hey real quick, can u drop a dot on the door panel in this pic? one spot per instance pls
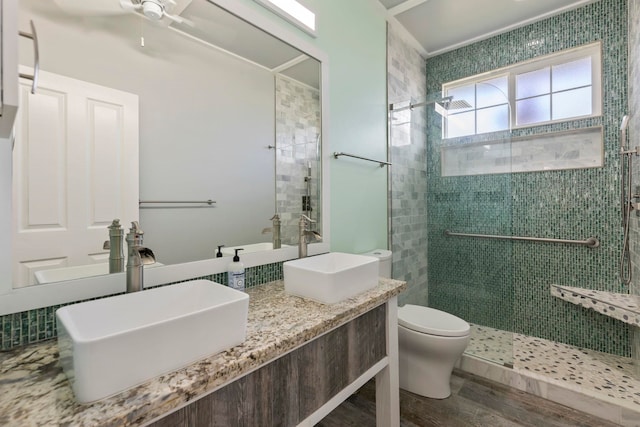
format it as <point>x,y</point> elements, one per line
<point>75,170</point>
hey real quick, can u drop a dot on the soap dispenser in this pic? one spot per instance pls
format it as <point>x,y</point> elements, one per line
<point>236,273</point>
<point>219,254</point>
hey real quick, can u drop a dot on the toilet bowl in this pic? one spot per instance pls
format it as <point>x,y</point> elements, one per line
<point>430,342</point>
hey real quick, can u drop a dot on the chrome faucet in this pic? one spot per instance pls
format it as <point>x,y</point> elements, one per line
<point>275,230</point>
<point>114,244</point>
<point>305,234</point>
<point>138,256</point>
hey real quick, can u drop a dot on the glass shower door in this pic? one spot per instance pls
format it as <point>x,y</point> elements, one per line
<point>469,197</point>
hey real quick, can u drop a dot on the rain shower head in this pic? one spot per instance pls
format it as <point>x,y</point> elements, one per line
<point>449,104</point>
<point>443,104</point>
<point>446,104</point>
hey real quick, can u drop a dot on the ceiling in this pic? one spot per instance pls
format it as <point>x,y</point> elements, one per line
<point>215,27</point>
<point>439,26</point>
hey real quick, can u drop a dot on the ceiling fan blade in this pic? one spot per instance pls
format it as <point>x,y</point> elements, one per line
<point>179,19</point>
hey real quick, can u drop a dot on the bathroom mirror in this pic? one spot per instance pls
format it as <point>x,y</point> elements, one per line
<point>209,130</point>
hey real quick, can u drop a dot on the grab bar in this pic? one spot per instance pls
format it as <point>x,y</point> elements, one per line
<point>382,163</point>
<point>209,203</point>
<point>591,242</point>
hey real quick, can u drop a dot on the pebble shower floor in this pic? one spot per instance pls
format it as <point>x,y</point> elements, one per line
<point>597,374</point>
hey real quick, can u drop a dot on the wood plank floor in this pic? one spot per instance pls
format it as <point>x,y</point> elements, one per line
<point>475,401</point>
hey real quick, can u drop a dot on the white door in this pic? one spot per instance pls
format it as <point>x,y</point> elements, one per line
<point>75,169</point>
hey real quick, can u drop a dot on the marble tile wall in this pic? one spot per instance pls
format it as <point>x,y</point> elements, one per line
<point>554,151</point>
<point>408,154</point>
<point>504,284</point>
<point>297,151</point>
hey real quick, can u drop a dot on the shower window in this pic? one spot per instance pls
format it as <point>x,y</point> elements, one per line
<point>548,89</point>
<point>555,92</point>
<point>488,109</point>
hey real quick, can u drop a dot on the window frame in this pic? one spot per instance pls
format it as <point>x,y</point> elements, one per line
<point>591,50</point>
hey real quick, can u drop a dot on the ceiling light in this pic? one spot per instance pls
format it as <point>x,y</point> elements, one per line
<point>294,12</point>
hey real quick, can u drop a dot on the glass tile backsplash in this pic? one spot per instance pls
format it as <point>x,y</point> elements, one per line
<point>506,284</point>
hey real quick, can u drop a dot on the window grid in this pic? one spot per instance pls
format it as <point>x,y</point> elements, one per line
<point>477,109</point>
<point>592,51</point>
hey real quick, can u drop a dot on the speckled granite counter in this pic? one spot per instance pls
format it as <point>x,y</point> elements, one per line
<point>623,307</point>
<point>35,391</point>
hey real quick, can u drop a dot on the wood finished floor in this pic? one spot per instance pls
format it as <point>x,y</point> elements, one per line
<point>474,401</point>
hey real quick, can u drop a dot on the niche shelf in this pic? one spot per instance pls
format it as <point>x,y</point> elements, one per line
<point>623,307</point>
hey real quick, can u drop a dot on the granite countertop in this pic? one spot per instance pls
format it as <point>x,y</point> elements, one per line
<point>35,391</point>
<point>624,307</point>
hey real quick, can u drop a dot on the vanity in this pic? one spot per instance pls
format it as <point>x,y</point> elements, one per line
<point>300,360</point>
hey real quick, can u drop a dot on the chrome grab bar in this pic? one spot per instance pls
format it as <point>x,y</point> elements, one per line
<point>380,162</point>
<point>591,242</point>
<point>36,57</point>
<point>177,204</point>
<point>208,202</point>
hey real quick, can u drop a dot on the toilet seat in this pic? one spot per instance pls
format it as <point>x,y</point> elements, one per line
<point>430,321</point>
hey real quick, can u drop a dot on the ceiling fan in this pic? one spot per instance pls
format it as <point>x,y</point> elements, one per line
<point>155,10</point>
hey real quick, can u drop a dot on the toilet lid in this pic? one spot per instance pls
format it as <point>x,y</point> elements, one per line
<point>431,321</point>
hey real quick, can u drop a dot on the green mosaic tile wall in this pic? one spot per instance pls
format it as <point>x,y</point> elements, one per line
<point>31,326</point>
<point>506,284</point>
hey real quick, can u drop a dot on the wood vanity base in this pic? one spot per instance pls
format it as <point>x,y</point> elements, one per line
<point>288,390</point>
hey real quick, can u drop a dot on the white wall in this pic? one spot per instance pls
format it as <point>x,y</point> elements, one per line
<point>206,119</point>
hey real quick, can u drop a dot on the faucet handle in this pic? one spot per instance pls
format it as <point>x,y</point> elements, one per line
<point>303,217</point>
<point>106,244</point>
<point>135,228</point>
<point>266,230</point>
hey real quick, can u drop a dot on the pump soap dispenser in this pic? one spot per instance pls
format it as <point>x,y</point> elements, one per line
<point>236,273</point>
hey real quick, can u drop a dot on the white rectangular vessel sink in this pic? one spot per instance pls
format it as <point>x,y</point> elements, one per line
<point>112,344</point>
<point>331,277</point>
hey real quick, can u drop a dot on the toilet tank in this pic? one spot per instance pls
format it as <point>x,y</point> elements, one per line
<point>384,256</point>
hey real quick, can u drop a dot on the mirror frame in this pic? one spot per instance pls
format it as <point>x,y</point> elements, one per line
<point>34,297</point>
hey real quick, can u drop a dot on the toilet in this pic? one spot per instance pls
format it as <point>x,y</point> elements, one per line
<point>384,258</point>
<point>430,342</point>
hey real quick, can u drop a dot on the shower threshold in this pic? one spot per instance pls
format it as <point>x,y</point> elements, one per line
<point>597,383</point>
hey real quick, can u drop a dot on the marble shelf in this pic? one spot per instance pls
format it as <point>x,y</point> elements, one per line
<point>623,307</point>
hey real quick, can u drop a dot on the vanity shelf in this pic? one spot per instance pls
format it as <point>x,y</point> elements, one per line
<point>623,307</point>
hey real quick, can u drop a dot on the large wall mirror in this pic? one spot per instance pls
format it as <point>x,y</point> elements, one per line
<point>212,108</point>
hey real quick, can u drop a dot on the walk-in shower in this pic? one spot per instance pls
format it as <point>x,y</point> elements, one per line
<point>467,277</point>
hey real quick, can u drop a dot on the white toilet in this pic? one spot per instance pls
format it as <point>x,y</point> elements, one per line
<point>430,342</point>
<point>384,266</point>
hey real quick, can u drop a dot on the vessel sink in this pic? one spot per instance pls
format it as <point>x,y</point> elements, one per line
<point>253,247</point>
<point>331,277</point>
<point>112,344</point>
<point>77,272</point>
